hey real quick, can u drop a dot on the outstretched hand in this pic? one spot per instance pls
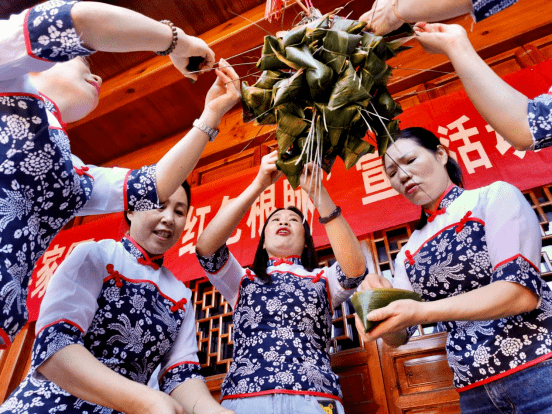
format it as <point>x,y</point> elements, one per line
<point>440,38</point>
<point>190,46</point>
<point>381,18</point>
<point>268,172</point>
<point>225,92</point>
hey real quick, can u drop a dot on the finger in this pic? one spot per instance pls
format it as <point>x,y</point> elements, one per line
<point>209,61</point>
<point>377,315</point>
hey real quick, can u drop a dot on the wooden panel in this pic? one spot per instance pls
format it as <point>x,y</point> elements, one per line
<point>15,361</point>
<point>422,373</point>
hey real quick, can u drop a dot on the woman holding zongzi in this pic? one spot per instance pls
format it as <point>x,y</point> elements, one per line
<point>474,260</point>
<point>283,305</point>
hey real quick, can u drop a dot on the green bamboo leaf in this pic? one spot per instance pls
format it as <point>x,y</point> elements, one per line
<point>347,90</point>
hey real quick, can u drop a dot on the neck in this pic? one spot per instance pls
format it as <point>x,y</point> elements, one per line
<point>434,204</point>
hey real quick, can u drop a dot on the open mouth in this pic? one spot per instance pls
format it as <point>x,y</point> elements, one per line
<point>283,232</point>
<point>164,234</point>
<point>410,188</point>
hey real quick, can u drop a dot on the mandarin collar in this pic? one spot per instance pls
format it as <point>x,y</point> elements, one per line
<point>140,254</point>
<point>53,108</point>
<point>290,260</point>
<point>446,199</point>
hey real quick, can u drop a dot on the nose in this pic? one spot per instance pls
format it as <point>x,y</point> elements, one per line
<point>168,216</point>
<point>403,175</point>
<point>97,79</point>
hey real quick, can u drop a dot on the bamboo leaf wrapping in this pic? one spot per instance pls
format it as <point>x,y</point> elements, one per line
<point>322,85</point>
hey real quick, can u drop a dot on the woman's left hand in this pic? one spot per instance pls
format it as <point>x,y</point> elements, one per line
<point>395,317</point>
<point>311,177</point>
<point>225,92</point>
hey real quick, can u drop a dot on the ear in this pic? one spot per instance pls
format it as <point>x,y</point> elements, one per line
<point>130,215</point>
<point>442,155</point>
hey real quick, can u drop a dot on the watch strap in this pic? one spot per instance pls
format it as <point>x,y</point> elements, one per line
<point>202,126</point>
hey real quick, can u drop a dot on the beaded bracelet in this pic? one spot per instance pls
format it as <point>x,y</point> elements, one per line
<point>174,38</point>
<point>331,216</point>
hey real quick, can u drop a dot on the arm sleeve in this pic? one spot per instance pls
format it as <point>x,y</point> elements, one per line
<point>341,287</point>
<point>486,8</point>
<point>119,189</point>
<point>70,302</point>
<point>513,237</point>
<point>224,272</point>
<point>181,362</point>
<point>539,116</point>
<point>34,40</point>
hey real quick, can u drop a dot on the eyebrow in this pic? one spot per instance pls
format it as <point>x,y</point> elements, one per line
<point>401,157</point>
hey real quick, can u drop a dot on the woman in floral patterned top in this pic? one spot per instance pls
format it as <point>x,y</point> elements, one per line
<point>42,185</point>
<point>474,260</point>
<point>525,123</point>
<point>112,313</point>
<point>283,306</point>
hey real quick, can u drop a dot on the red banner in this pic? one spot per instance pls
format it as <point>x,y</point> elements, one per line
<point>364,193</point>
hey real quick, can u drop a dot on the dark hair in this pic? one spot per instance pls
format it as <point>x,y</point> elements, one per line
<point>309,258</point>
<point>427,139</point>
<point>186,188</point>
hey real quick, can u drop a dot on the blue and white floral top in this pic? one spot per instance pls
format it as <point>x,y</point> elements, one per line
<point>42,185</point>
<point>124,307</point>
<point>282,329</point>
<point>475,238</point>
<point>486,8</point>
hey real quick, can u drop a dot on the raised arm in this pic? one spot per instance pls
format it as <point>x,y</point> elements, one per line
<point>181,159</point>
<point>221,227</point>
<point>388,15</point>
<point>115,29</point>
<point>502,106</point>
<point>345,244</point>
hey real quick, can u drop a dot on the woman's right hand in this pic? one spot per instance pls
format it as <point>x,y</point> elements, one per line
<point>268,172</point>
<point>190,46</point>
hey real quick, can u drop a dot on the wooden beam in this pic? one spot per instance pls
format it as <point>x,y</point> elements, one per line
<point>236,36</point>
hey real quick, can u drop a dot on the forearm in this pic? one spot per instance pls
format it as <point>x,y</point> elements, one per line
<point>115,29</point>
<point>195,397</point>
<point>497,300</point>
<point>430,10</point>
<point>177,164</point>
<point>502,106</point>
<point>345,244</point>
<point>221,227</point>
<point>75,369</point>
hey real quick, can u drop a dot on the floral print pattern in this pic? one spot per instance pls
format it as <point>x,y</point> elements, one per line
<point>540,120</point>
<point>132,330</point>
<point>39,188</point>
<point>456,260</point>
<point>486,8</point>
<point>282,329</point>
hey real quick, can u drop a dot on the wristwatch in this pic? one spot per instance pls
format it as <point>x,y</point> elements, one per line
<point>212,132</point>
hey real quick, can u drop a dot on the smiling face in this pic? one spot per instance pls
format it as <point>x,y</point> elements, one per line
<point>284,234</point>
<point>156,231</point>
<point>417,173</point>
<point>72,86</point>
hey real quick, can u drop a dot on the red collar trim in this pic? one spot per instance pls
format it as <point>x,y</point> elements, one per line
<point>434,213</point>
<point>146,259</point>
<point>56,112</point>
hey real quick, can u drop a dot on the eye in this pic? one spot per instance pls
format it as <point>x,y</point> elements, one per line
<point>392,174</point>
<point>411,160</point>
<point>179,212</point>
<point>293,219</point>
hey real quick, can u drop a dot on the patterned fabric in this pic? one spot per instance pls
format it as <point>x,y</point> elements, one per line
<point>486,8</point>
<point>177,375</point>
<point>133,327</point>
<point>51,33</point>
<point>282,329</point>
<point>454,256</point>
<point>540,120</point>
<point>142,257</point>
<point>40,190</point>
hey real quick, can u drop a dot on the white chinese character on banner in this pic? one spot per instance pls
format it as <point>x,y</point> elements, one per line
<point>298,198</point>
<point>465,134</point>
<point>261,209</point>
<point>236,237</point>
<point>376,182</point>
<point>45,273</point>
<point>502,145</point>
<point>189,234</point>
